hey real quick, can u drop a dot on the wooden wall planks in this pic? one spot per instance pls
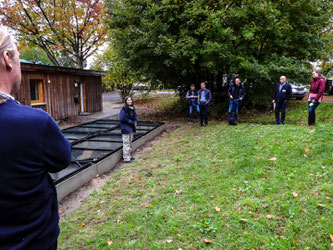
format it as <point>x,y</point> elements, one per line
<point>59,93</point>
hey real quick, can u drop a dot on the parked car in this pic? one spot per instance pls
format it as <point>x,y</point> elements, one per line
<point>140,86</point>
<point>298,91</point>
<point>329,86</point>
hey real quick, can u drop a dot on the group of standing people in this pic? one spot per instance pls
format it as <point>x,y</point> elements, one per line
<point>202,99</point>
<point>236,93</point>
<point>32,145</point>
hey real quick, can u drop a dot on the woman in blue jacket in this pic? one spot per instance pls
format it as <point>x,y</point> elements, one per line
<point>128,122</point>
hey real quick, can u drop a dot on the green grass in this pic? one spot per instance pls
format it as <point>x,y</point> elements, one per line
<point>218,166</point>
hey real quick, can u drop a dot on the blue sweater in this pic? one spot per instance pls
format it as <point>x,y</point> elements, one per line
<point>31,145</point>
<point>127,118</point>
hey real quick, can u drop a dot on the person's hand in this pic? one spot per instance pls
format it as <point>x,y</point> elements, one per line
<point>273,101</point>
<point>313,101</point>
<point>241,99</point>
<point>231,97</point>
<point>135,124</point>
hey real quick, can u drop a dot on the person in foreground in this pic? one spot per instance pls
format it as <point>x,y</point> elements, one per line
<point>31,145</point>
<point>205,99</point>
<point>281,97</point>
<point>128,122</point>
<point>236,94</point>
<point>192,98</point>
<point>317,88</point>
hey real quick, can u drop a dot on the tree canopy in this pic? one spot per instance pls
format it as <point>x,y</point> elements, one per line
<point>73,29</point>
<point>181,42</point>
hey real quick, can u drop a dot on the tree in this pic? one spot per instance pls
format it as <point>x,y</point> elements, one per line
<point>70,28</point>
<point>182,42</point>
<point>118,75</point>
<point>35,55</point>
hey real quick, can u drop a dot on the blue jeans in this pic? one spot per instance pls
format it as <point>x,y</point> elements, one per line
<point>312,114</point>
<point>196,106</point>
<point>234,104</point>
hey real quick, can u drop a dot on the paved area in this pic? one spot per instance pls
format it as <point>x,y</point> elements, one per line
<point>114,96</point>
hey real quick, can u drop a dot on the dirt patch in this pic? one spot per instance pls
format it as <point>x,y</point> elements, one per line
<point>71,202</point>
<point>328,99</point>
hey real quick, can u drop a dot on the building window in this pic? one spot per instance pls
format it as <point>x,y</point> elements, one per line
<point>36,91</point>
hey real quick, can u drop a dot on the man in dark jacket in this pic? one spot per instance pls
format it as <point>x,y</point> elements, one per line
<point>281,97</point>
<point>192,98</point>
<point>31,145</point>
<point>205,100</point>
<point>236,94</point>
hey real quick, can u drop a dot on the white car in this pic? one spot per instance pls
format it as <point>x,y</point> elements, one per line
<point>298,91</point>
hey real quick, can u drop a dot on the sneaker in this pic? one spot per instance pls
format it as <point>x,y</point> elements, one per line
<point>128,161</point>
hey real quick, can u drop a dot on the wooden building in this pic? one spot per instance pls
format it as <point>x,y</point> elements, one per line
<point>62,92</point>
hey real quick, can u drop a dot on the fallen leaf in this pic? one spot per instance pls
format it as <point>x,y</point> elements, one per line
<point>269,216</point>
<point>207,214</point>
<point>198,159</point>
<point>172,208</point>
<point>217,170</point>
<point>83,224</point>
<point>264,176</point>
<point>60,211</point>
<point>217,209</point>
<point>278,218</point>
<point>206,241</point>
<point>102,202</point>
<point>306,150</point>
<point>295,194</point>
<point>179,191</point>
<point>264,205</point>
<point>331,236</point>
<point>110,242</point>
<point>258,218</point>
<point>273,159</point>
<point>169,241</point>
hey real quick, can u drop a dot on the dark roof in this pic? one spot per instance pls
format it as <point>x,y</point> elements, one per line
<point>30,66</point>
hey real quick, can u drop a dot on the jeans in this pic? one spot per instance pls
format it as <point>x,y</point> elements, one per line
<point>203,114</point>
<point>127,146</point>
<point>280,107</point>
<point>233,104</point>
<point>312,114</point>
<point>196,106</point>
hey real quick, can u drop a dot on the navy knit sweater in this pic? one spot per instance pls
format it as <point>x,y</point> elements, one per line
<point>31,145</point>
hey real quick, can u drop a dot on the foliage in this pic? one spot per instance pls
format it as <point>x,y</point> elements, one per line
<point>67,28</point>
<point>247,187</point>
<point>34,54</point>
<point>327,57</point>
<point>118,75</point>
<point>182,42</point>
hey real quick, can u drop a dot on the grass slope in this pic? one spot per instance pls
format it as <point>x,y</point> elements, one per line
<point>218,187</point>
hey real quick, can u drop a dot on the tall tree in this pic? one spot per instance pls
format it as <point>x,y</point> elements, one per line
<point>184,42</point>
<point>70,28</point>
<point>118,74</point>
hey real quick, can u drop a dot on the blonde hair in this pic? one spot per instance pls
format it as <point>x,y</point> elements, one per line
<point>6,44</point>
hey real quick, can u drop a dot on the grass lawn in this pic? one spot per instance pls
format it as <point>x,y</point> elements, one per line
<point>253,186</point>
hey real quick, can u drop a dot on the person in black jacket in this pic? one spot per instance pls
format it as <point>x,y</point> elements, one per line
<point>192,98</point>
<point>128,122</point>
<point>31,146</point>
<point>281,97</point>
<point>236,93</point>
<point>205,100</point>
